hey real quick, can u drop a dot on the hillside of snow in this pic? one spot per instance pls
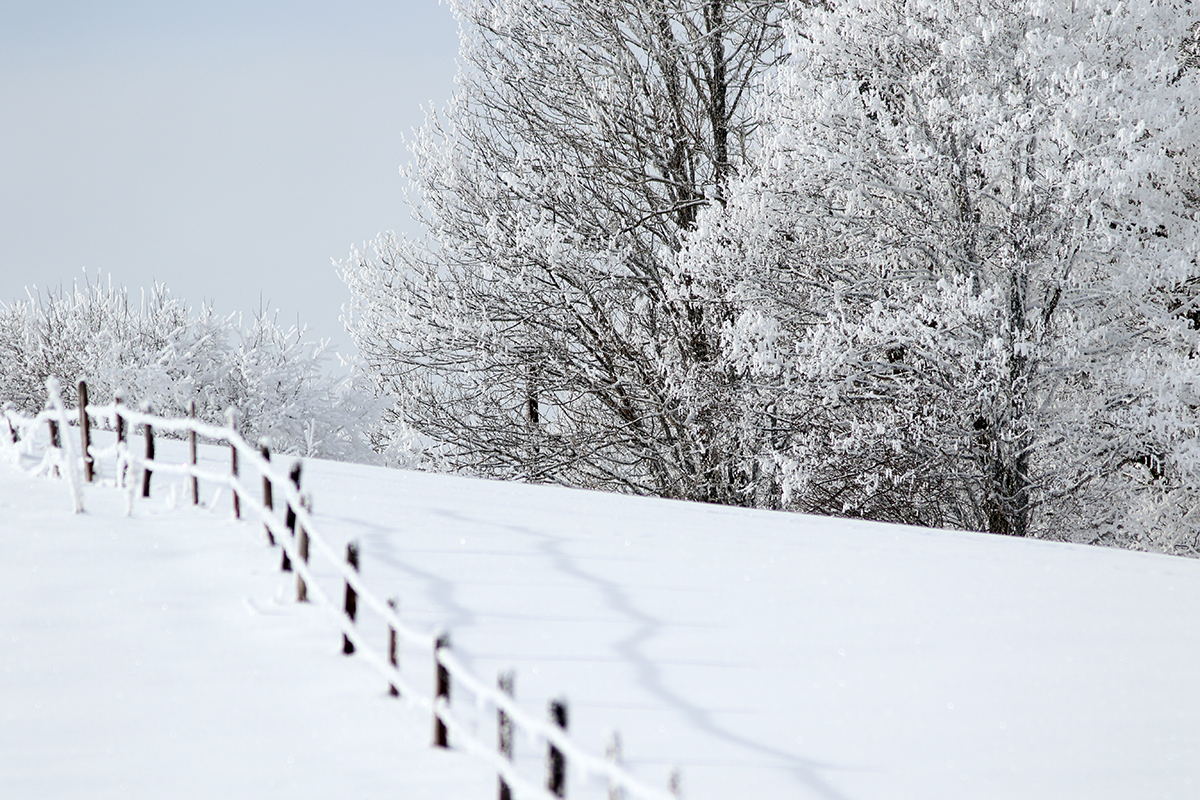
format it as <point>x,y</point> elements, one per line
<point>766,655</point>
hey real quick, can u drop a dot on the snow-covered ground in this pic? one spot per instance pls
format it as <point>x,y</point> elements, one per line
<point>766,655</point>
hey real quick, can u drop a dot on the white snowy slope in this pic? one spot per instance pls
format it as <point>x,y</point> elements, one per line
<point>766,655</point>
<point>153,657</point>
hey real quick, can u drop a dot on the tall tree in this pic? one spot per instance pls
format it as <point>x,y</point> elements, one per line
<point>536,332</point>
<point>963,281</point>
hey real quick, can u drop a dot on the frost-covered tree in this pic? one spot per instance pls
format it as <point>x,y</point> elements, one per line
<point>533,334</point>
<point>161,353</point>
<point>278,383</point>
<point>962,283</point>
<point>151,346</point>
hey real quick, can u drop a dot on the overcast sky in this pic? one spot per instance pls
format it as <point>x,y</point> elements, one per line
<point>229,149</point>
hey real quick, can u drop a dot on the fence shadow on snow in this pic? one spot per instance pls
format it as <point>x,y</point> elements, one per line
<point>300,540</point>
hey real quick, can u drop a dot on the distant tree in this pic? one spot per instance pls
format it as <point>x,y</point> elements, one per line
<point>962,283</point>
<point>535,333</point>
<point>160,352</point>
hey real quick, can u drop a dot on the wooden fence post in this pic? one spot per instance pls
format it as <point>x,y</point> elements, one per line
<point>231,421</point>
<point>118,399</point>
<point>556,762</point>
<point>294,474</point>
<point>54,440</point>
<point>149,431</point>
<point>441,689</point>
<point>301,586</point>
<point>268,495</point>
<point>9,407</point>
<point>393,654</point>
<point>350,606</point>
<point>192,452</point>
<point>122,465</point>
<point>612,753</point>
<point>505,681</point>
<point>85,435</point>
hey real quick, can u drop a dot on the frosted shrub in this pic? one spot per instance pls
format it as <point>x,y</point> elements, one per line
<point>164,354</point>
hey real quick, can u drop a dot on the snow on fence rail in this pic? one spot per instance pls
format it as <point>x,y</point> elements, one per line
<point>300,539</point>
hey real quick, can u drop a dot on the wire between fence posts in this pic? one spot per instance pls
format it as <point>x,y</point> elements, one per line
<point>350,605</point>
<point>505,682</point>
<point>445,662</point>
<point>323,601</point>
<point>231,421</point>
<point>582,760</point>
<point>441,690</point>
<point>467,743</point>
<point>192,453</point>
<point>85,435</point>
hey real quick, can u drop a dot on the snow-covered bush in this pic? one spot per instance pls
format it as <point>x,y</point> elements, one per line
<point>163,354</point>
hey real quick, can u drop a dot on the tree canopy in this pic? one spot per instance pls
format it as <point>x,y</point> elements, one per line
<point>929,261</point>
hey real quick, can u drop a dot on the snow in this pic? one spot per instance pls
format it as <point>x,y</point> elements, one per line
<point>765,655</point>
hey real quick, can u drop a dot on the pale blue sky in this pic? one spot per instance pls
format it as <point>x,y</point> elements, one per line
<point>227,149</point>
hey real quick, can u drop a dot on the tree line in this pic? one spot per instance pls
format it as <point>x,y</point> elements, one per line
<point>159,352</point>
<point>931,262</point>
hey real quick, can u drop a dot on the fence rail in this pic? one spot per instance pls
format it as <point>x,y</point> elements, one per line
<point>301,540</point>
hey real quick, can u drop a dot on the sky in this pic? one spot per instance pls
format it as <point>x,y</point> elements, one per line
<point>229,149</point>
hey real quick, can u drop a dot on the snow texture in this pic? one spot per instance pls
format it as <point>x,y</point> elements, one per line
<point>764,654</point>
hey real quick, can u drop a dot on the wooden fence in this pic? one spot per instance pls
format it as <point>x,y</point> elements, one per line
<point>299,539</point>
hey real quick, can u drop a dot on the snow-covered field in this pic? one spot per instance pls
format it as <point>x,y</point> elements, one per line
<point>766,655</point>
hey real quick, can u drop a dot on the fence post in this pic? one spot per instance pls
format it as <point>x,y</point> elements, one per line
<point>350,606</point>
<point>294,474</point>
<point>393,654</point>
<point>55,442</point>
<point>85,435</point>
<point>268,495</point>
<point>118,399</point>
<point>301,586</point>
<point>441,689</point>
<point>556,762</point>
<point>122,460</point>
<point>9,407</point>
<point>192,452</point>
<point>612,753</point>
<point>231,421</point>
<point>149,431</point>
<point>504,728</point>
